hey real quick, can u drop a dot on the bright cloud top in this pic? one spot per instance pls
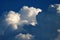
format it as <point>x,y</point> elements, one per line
<point>27,15</point>
<point>13,19</point>
<point>24,36</point>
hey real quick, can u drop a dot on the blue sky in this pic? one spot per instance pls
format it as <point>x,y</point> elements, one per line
<point>29,19</point>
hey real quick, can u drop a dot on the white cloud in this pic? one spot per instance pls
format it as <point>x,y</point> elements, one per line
<point>29,14</point>
<point>55,7</point>
<point>58,8</point>
<point>24,36</point>
<point>13,19</point>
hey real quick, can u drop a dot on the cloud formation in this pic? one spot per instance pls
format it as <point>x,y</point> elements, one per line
<point>13,22</point>
<point>13,19</point>
<point>24,36</point>
<point>27,15</point>
<point>58,37</point>
<point>55,7</point>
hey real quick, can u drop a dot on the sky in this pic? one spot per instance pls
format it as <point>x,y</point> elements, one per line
<point>29,19</point>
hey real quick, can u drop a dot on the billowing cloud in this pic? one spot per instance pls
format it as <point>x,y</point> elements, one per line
<point>24,36</point>
<point>13,22</point>
<point>48,21</point>
<point>13,19</point>
<point>27,15</point>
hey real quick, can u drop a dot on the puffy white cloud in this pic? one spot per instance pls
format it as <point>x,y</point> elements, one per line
<point>29,14</point>
<point>13,19</point>
<point>24,36</point>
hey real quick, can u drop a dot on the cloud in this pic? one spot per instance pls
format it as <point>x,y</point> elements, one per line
<point>24,36</point>
<point>55,7</point>
<point>27,15</point>
<point>13,19</point>
<point>58,30</point>
<point>13,22</point>
<point>58,37</point>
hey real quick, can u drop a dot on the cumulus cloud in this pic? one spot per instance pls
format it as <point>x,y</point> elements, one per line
<point>13,22</point>
<point>13,19</point>
<point>24,36</point>
<point>27,15</point>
